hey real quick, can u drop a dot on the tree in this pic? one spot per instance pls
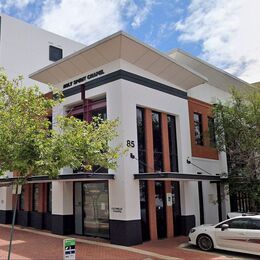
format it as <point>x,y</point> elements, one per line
<point>28,145</point>
<point>237,127</point>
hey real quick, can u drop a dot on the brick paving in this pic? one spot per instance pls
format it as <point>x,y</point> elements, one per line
<point>32,244</point>
<point>28,245</point>
<point>178,247</point>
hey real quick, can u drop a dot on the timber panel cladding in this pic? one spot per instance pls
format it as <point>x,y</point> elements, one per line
<point>205,110</point>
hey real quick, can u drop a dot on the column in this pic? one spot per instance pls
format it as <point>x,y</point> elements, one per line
<point>124,194</point>
<point>62,208</point>
<point>6,205</point>
<point>167,168</point>
<point>150,168</point>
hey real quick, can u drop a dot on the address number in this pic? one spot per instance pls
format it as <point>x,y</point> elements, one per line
<point>130,143</point>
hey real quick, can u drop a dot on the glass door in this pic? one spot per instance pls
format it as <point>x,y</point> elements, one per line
<point>95,209</point>
<point>160,209</point>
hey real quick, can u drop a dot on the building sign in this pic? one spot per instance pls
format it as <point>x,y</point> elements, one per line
<point>82,79</point>
<point>169,199</point>
<point>69,248</point>
<point>117,210</point>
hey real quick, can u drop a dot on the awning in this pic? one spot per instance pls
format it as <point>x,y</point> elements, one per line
<point>64,177</point>
<point>175,176</point>
<point>119,46</point>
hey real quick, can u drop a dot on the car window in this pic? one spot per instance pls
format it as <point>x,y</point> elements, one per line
<point>254,224</point>
<point>238,223</point>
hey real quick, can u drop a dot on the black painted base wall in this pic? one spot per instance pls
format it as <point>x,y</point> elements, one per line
<point>6,216</point>
<point>186,223</point>
<point>22,218</point>
<point>47,220</point>
<point>36,220</point>
<point>126,233</point>
<point>62,224</point>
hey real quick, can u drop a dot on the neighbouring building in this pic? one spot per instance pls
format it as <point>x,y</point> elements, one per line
<point>24,48</point>
<point>170,180</point>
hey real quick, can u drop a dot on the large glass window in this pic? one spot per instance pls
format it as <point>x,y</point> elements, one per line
<point>35,198</point>
<point>173,143</point>
<point>212,136</point>
<point>141,139</point>
<point>96,210</point>
<point>49,197</point>
<point>198,128</point>
<point>157,142</point>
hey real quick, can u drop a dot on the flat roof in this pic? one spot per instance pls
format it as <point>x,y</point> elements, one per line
<point>217,77</point>
<point>120,46</point>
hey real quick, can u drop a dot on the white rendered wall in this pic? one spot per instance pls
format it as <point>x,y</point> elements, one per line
<point>122,98</point>
<point>6,198</point>
<point>24,48</point>
<point>62,197</point>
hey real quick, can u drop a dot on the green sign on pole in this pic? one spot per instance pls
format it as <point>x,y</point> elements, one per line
<point>69,248</point>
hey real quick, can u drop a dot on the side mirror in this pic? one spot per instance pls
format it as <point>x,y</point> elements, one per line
<point>224,227</point>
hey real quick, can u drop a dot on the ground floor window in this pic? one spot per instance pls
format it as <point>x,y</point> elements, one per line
<point>92,209</point>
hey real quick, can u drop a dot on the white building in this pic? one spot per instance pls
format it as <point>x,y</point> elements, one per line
<point>170,179</point>
<point>24,48</point>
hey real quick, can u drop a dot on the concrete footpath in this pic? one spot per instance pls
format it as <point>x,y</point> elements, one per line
<point>33,244</point>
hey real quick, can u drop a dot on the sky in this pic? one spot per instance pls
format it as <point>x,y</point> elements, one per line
<point>225,33</point>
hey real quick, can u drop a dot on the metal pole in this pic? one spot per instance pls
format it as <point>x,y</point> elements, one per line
<point>12,228</point>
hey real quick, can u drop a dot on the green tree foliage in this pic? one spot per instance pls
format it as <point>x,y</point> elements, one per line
<point>237,127</point>
<point>28,146</point>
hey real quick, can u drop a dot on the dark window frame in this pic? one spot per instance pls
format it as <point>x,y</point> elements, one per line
<point>212,132</point>
<point>35,204</point>
<point>198,126</point>
<point>172,134</point>
<point>22,200</point>
<point>157,142</point>
<point>141,139</point>
<point>55,53</point>
<point>49,197</point>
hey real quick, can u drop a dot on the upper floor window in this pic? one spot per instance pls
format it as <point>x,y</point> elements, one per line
<point>157,142</point>
<point>172,143</point>
<point>198,128</point>
<point>55,53</point>
<point>212,135</point>
<point>141,138</point>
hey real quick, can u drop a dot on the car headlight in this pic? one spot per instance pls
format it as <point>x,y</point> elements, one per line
<point>192,230</point>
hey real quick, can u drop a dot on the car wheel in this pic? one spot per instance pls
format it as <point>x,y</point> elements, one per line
<point>205,243</point>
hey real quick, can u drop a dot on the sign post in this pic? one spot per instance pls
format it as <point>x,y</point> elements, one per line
<point>69,248</point>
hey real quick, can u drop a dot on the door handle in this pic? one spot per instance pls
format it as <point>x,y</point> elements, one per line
<point>242,233</point>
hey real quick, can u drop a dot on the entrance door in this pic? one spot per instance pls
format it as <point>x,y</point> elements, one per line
<point>176,208</point>
<point>95,209</point>
<point>144,211</point>
<point>160,209</point>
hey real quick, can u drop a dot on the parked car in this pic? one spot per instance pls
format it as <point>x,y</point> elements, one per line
<point>239,234</point>
<point>238,214</point>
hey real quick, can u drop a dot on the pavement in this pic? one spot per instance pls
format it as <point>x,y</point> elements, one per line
<point>33,244</point>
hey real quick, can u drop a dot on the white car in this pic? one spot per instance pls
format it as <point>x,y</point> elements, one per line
<point>239,234</point>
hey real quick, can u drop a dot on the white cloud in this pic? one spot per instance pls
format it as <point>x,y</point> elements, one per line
<point>89,20</point>
<point>142,13</point>
<point>228,32</point>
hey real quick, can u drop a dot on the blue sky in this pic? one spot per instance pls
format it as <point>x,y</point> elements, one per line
<point>224,33</point>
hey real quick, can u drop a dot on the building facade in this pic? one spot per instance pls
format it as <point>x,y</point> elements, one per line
<point>170,179</point>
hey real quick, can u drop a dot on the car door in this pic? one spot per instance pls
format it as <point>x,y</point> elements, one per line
<point>233,237</point>
<point>253,236</point>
